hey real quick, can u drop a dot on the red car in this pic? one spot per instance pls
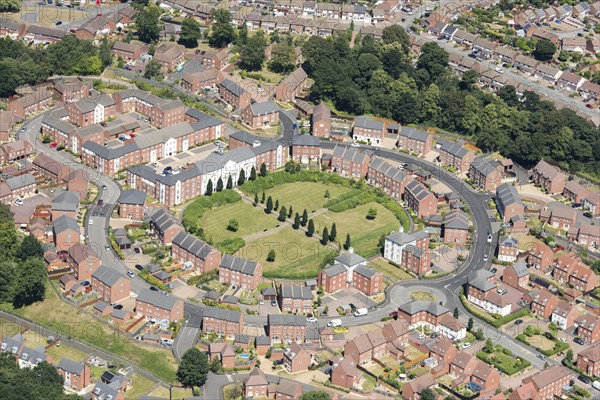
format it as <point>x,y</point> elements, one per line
<point>53,145</point>
<point>588,105</point>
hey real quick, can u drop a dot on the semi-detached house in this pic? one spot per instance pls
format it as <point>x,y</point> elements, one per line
<point>189,249</point>
<point>456,156</point>
<point>240,272</point>
<point>415,140</point>
<point>110,285</point>
<point>155,305</point>
<point>420,200</point>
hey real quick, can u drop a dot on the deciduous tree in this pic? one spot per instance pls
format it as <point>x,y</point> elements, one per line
<point>193,368</point>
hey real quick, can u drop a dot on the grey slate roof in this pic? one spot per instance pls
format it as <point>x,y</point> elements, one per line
<point>456,149</point>
<point>240,265</point>
<point>269,291</point>
<point>296,292</point>
<point>34,356</point>
<point>107,275</point>
<point>132,197</point>
<point>21,181</point>
<point>109,153</point>
<point>233,87</point>
<point>365,271</point>
<point>334,270</point>
<point>366,122</point>
<point>87,105</point>
<point>163,220</point>
<point>349,259</point>
<point>267,107</point>
<point>456,219</point>
<point>192,245</point>
<point>507,194</point>
<point>484,166</point>
<point>509,241</point>
<point>479,280</point>
<point>286,319</point>
<point>418,190</point>
<point>305,140</point>
<point>520,269</point>
<point>263,340</point>
<point>415,134</point>
<point>380,165</point>
<point>63,223</point>
<point>71,366</point>
<point>417,306</point>
<point>350,154</point>
<point>100,306</point>
<point>222,314</point>
<point>402,238</point>
<point>157,299</point>
<point>162,135</point>
<point>66,201</point>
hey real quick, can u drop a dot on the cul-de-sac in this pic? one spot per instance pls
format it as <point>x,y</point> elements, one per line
<point>300,200</point>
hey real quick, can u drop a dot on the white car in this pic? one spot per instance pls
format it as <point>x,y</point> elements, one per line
<point>18,202</point>
<point>311,319</point>
<point>421,336</point>
<point>130,274</point>
<point>485,257</point>
<point>499,70</point>
<point>562,339</point>
<point>355,145</point>
<point>466,345</point>
<point>90,222</point>
<point>489,238</point>
<point>334,322</point>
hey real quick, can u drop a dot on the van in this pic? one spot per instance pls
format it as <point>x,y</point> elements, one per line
<point>596,385</point>
<point>360,312</point>
<point>334,322</point>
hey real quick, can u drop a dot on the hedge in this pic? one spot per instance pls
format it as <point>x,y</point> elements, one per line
<point>495,322</point>
<point>508,371</point>
<point>231,245</point>
<point>196,209</point>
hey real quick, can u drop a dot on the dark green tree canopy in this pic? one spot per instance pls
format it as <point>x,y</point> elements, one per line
<point>190,33</point>
<point>222,32</point>
<point>193,369</point>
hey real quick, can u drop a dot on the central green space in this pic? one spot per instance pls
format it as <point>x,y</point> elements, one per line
<point>236,226</point>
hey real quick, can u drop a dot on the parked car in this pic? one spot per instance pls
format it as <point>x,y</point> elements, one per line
<point>466,345</point>
<point>53,145</point>
<point>18,202</point>
<point>579,341</point>
<point>311,318</point>
<point>274,303</point>
<point>100,202</point>
<point>421,336</point>
<point>518,322</point>
<point>86,283</point>
<point>130,274</point>
<point>489,238</point>
<point>361,312</point>
<point>334,322</point>
<point>139,267</point>
<point>117,306</point>
<point>584,379</point>
<point>154,288</point>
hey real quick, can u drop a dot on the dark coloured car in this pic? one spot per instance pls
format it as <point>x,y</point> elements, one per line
<point>584,379</point>
<point>100,202</point>
<point>154,288</point>
<point>139,267</point>
<point>518,322</point>
<point>579,341</point>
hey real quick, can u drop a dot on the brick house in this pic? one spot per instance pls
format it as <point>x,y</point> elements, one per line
<point>442,349</point>
<point>65,203</point>
<point>128,51</point>
<point>346,375</point>
<point>543,384</point>
<point>550,178</point>
<point>91,110</point>
<point>588,235</point>
<point>131,204</point>
<point>16,150</point>
<point>296,359</point>
<point>7,120</point>
<point>196,82</point>
<point>268,152</point>
<point>350,270</point>
<point>543,303</point>
<point>412,390</point>
<point>420,200</point>
<point>292,85</point>
<point>588,328</point>
<point>65,232</point>
<point>425,313</point>
<point>486,174</point>
<point>508,249</point>
<point>591,202</point>
<point>234,94</point>
<point>516,275</point>
<point>486,376</point>
<point>68,90</point>
<point>289,328</point>
<point>364,348</point>
<point>575,192</point>
<point>456,227</point>
<point>240,272</point>
<point>540,256</point>
<point>76,376</point>
<point>169,55</point>
<point>29,103</point>
<point>223,352</point>
<point>409,250</point>
<point>223,322</point>
<point>509,202</point>
<point>189,249</point>
<point>17,187</point>
<point>306,149</point>
<point>159,306</point>
<point>588,360</point>
<point>350,162</point>
<point>559,216</point>
<point>396,330</point>
<point>583,278</point>
<point>321,121</point>
<point>256,384</point>
<point>387,178</point>
<point>415,140</point>
<point>295,299</point>
<point>456,156</point>
<point>217,59</point>
<point>261,115</point>
<point>564,266</point>
<point>110,285</point>
<point>368,130</point>
<point>83,260</point>
<point>165,226</point>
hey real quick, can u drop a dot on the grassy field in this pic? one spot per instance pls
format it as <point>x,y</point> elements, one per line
<point>79,325</point>
<point>139,386</point>
<point>364,233</point>
<point>393,272</point>
<point>297,256</point>
<point>421,295</point>
<point>301,195</point>
<point>65,351</point>
<point>251,220</point>
<point>8,328</point>
<point>541,341</point>
<point>176,393</point>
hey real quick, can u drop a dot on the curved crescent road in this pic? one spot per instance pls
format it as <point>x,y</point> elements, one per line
<point>446,288</point>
